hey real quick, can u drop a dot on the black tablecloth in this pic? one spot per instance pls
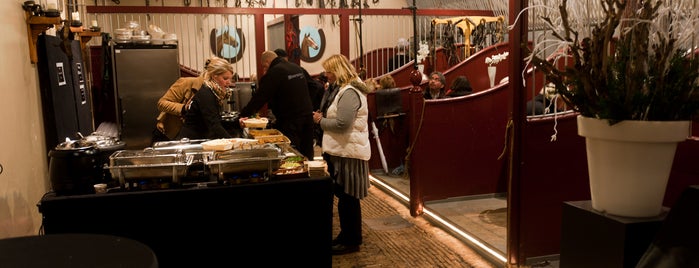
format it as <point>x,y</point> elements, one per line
<point>272,224</point>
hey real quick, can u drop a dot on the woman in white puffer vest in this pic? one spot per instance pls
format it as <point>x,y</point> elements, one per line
<point>346,149</point>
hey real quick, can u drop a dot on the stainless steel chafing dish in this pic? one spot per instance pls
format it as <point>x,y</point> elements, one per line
<point>264,159</point>
<point>183,144</point>
<point>189,147</point>
<point>127,165</point>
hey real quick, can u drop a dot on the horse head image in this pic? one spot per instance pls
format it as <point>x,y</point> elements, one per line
<point>307,44</point>
<point>227,39</point>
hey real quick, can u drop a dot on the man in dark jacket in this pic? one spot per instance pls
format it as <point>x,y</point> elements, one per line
<point>284,89</point>
<point>315,87</point>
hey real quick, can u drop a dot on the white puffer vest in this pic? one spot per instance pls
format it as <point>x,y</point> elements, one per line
<point>355,142</point>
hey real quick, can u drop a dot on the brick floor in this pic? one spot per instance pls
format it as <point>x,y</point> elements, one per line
<point>393,238</point>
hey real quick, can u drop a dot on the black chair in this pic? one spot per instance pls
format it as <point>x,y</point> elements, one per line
<point>677,242</point>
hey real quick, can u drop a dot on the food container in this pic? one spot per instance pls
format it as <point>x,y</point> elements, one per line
<point>141,39</point>
<point>123,34</point>
<point>268,136</point>
<point>256,122</point>
<point>133,25</point>
<point>226,164</point>
<point>264,132</point>
<point>217,145</point>
<point>317,168</point>
<point>292,167</point>
<point>130,165</point>
<point>231,144</point>
<point>155,31</point>
<point>196,171</point>
<point>74,167</point>
<point>246,144</point>
<point>170,39</point>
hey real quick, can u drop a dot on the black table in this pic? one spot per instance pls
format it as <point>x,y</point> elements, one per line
<point>286,223</point>
<point>75,250</point>
<point>590,238</point>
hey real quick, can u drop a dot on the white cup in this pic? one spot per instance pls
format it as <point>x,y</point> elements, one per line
<point>101,188</point>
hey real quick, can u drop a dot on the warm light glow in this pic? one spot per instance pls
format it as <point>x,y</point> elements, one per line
<point>445,223</point>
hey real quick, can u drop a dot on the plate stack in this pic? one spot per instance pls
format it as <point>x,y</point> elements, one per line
<point>317,168</point>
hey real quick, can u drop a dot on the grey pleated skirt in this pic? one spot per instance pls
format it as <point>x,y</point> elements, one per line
<point>352,174</point>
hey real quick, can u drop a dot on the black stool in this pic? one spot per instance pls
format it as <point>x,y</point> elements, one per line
<point>75,250</point>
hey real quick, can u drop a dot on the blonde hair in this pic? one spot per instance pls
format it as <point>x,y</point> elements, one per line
<point>216,66</point>
<point>339,65</point>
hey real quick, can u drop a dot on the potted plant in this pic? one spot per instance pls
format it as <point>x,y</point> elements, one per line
<point>631,74</point>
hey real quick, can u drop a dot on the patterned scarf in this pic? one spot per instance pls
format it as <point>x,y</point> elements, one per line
<point>221,94</point>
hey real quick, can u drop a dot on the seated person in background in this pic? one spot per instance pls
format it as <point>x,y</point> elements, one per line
<point>203,117</point>
<point>386,82</point>
<point>435,89</point>
<point>542,102</point>
<point>400,57</point>
<point>460,87</point>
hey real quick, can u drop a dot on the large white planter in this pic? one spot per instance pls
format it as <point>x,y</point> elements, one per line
<point>629,163</point>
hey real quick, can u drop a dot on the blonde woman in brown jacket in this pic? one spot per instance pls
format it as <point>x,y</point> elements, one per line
<point>172,105</point>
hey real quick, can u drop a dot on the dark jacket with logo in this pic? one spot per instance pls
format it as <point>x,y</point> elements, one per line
<point>284,89</point>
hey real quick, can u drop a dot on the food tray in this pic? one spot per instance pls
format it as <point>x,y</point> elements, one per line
<point>273,139</point>
<point>268,136</point>
<point>246,144</point>
<point>292,167</point>
<point>147,164</point>
<point>264,132</point>
<point>242,161</point>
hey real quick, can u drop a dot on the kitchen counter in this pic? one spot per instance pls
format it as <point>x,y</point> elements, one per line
<point>279,223</point>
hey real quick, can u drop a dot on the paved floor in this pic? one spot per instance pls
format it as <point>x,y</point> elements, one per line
<point>393,238</point>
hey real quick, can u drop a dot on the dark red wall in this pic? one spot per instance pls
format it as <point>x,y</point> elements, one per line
<point>457,144</point>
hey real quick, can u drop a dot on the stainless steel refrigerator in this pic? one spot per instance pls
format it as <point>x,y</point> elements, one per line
<point>142,74</point>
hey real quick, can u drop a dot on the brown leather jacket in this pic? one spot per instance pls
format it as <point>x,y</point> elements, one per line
<point>170,105</point>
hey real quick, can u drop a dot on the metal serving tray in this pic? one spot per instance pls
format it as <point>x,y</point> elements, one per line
<point>242,161</point>
<point>126,165</point>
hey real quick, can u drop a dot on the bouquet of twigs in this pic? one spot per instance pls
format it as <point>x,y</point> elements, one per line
<point>636,61</point>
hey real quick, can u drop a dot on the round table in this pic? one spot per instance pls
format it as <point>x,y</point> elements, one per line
<point>75,250</point>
